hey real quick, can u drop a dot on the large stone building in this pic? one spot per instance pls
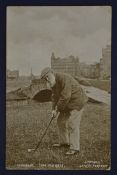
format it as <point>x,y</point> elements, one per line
<point>90,70</point>
<point>73,66</point>
<point>105,63</point>
<point>69,65</point>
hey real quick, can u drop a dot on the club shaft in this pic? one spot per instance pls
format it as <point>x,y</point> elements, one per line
<point>38,144</point>
<point>43,135</point>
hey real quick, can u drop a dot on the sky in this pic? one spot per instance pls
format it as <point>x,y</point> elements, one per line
<point>33,33</point>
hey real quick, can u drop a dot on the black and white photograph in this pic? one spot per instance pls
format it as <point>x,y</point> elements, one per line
<point>58,87</point>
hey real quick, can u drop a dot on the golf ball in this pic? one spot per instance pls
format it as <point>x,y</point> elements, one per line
<point>29,150</point>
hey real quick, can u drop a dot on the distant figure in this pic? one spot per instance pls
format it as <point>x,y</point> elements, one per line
<point>69,99</point>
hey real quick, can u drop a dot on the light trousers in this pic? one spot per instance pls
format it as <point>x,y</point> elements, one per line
<point>69,128</point>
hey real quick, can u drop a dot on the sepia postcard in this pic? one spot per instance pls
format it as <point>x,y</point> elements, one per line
<point>70,46</point>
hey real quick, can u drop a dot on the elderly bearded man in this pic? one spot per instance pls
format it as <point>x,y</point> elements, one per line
<point>69,99</point>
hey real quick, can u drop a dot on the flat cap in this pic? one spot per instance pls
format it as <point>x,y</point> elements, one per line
<point>45,71</point>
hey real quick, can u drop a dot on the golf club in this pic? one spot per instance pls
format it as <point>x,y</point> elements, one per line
<point>38,144</point>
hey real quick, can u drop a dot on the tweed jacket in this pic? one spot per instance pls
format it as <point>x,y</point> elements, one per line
<point>67,94</point>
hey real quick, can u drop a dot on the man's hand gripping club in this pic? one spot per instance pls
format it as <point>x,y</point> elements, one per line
<point>55,113</point>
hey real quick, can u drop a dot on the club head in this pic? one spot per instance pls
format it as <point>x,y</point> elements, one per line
<point>30,150</point>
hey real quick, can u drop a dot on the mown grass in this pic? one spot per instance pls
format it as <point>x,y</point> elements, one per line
<point>25,124</point>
